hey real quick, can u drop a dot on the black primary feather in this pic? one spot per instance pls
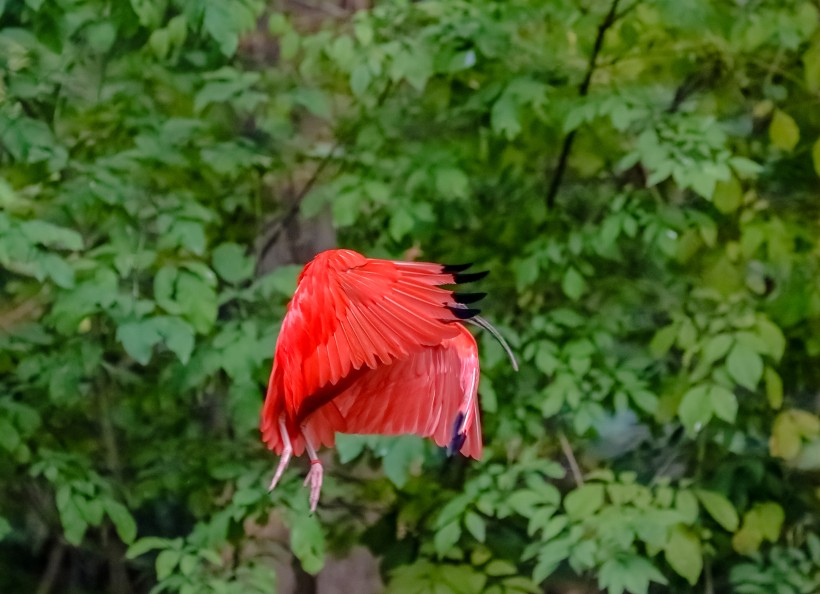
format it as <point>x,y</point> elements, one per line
<point>458,438</point>
<point>468,277</point>
<point>464,313</point>
<point>468,297</point>
<point>450,268</point>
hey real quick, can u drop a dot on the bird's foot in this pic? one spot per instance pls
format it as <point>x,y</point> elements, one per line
<point>314,478</point>
<point>283,463</point>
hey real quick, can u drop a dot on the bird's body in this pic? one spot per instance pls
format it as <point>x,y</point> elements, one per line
<point>372,346</point>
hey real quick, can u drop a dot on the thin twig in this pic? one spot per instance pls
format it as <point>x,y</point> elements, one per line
<point>570,456</point>
<point>297,202</point>
<point>583,90</point>
<point>55,559</point>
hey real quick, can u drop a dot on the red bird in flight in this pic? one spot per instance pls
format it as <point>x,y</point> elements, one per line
<point>376,347</point>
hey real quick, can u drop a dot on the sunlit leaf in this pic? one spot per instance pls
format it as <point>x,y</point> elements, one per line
<point>745,366</point>
<point>783,131</point>
<point>683,553</point>
<point>720,508</point>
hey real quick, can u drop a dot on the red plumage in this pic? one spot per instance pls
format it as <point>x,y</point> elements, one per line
<point>372,346</point>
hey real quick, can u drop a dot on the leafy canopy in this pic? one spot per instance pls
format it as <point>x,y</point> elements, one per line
<point>641,178</point>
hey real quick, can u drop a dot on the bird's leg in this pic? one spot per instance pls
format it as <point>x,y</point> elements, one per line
<point>287,450</point>
<point>314,475</point>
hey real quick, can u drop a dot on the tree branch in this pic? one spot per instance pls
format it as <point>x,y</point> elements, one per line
<point>293,210</point>
<point>566,447</point>
<point>583,91</point>
<point>49,577</point>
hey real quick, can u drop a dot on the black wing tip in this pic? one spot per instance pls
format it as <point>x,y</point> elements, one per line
<point>452,268</point>
<point>458,438</point>
<point>468,277</point>
<point>464,313</point>
<point>465,298</point>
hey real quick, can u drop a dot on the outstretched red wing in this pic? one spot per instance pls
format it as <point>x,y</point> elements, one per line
<point>431,393</point>
<point>348,313</point>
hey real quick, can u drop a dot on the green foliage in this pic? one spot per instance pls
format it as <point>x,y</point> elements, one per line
<point>640,177</point>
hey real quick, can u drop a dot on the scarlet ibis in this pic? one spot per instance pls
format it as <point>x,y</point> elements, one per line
<point>376,347</point>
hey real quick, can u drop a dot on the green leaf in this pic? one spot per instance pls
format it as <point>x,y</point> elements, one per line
<point>5,527</point>
<point>74,526</point>
<point>584,501</point>
<point>401,223</point>
<point>683,553</point>
<point>451,182</point>
<point>101,36</point>
<point>786,440</point>
<point>774,388</point>
<point>314,100</point>
<point>724,403</point>
<point>123,520</point>
<point>342,52</point>
<point>346,209</point>
<point>307,541</point>
<point>278,23</point>
<point>231,263</point>
<point>811,67</point>
<point>188,564</point>
<point>50,235</point>
<point>360,79</point>
<point>772,337</point>
<point>573,284</point>
<point>695,408</point>
<point>148,543</point>
<point>720,508</point>
<point>783,131</point>
<point>728,195</point>
<point>745,366</point>
<point>504,116</point>
<point>149,12</point>
<point>281,281</point>
<point>9,436</point>
<point>717,347</point>
<point>475,525</point>
<point>226,21</point>
<point>686,504</point>
<point>663,340</point>
<point>199,300</point>
<point>166,562</point>
<point>630,573</point>
<point>349,447</point>
<point>58,270</point>
<point>414,64</point>
<point>768,517</point>
<point>138,339</point>
<point>446,538</point>
<point>403,452</point>
<point>177,334</point>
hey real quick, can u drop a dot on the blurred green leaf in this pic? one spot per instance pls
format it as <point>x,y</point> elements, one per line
<point>683,553</point>
<point>584,501</point>
<point>745,366</point>
<point>783,131</point>
<point>307,541</point>
<point>720,508</point>
<point>122,519</point>
<point>231,263</point>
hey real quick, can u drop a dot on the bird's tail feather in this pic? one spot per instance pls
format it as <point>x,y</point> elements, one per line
<point>482,323</point>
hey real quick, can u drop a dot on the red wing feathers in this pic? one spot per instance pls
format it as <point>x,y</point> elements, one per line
<point>421,394</point>
<point>357,326</point>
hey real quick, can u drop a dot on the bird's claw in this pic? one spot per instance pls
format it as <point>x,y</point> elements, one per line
<point>283,463</point>
<point>314,478</point>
